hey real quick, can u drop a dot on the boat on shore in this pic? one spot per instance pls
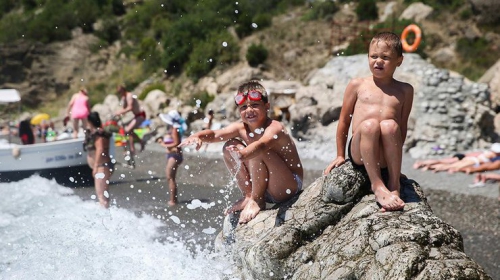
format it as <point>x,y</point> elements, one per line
<point>63,160</point>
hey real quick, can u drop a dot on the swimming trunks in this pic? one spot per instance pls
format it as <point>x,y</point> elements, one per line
<point>79,110</point>
<point>270,199</point>
<point>355,165</point>
<point>141,114</point>
<point>178,157</point>
<point>459,156</point>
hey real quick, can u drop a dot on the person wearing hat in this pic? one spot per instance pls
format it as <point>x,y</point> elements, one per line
<point>170,141</point>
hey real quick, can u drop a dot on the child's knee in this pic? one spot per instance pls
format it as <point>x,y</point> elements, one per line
<point>389,127</point>
<point>231,142</point>
<point>369,126</point>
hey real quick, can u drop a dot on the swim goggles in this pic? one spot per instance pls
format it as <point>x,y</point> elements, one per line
<point>251,95</point>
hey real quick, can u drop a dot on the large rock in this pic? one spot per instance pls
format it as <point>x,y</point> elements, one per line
<point>335,230</point>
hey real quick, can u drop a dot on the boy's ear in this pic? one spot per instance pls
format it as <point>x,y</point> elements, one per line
<point>400,60</point>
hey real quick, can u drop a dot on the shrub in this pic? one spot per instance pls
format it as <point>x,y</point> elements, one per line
<point>110,30</point>
<point>321,10</point>
<point>203,97</point>
<point>367,10</point>
<point>150,88</point>
<point>256,55</point>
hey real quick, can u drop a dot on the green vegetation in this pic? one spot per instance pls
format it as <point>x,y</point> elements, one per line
<point>256,55</point>
<point>201,99</point>
<point>172,36</point>
<point>484,57</point>
<point>367,10</point>
<point>321,10</point>
<point>361,43</point>
<point>151,87</point>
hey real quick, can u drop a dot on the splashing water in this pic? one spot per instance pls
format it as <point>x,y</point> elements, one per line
<point>47,232</point>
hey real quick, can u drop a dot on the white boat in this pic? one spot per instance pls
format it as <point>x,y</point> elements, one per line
<point>63,160</point>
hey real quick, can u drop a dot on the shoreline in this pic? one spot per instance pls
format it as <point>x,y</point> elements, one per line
<point>205,191</point>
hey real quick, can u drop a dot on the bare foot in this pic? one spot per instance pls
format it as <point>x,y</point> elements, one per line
<point>237,206</point>
<point>249,212</point>
<point>418,165</point>
<point>389,201</point>
<point>172,203</point>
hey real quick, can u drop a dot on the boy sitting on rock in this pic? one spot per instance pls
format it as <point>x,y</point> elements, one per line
<point>379,107</point>
<point>258,152</point>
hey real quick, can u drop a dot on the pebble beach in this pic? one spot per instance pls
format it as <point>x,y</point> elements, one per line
<point>205,190</point>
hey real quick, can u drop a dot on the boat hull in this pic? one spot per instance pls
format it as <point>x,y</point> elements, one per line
<point>63,160</point>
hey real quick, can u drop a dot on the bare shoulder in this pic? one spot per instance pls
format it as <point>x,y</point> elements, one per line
<point>404,87</point>
<point>358,81</point>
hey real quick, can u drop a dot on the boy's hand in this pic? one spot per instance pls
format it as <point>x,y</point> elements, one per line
<point>335,163</point>
<point>235,151</point>
<point>190,141</point>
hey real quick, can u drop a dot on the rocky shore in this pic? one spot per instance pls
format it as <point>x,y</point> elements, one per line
<point>205,190</point>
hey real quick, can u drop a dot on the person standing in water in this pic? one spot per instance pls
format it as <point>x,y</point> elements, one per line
<point>170,142</point>
<point>96,143</point>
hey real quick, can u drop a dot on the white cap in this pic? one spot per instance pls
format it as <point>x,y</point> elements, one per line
<point>495,147</point>
<point>172,118</point>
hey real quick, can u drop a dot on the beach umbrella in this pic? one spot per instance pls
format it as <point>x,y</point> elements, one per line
<point>37,119</point>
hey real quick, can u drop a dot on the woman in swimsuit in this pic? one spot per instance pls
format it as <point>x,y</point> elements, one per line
<point>170,141</point>
<point>96,144</point>
<point>79,109</point>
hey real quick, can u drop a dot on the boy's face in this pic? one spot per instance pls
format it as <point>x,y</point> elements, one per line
<point>253,113</point>
<point>383,59</point>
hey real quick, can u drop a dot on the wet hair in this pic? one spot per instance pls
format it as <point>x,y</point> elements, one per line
<point>391,39</point>
<point>254,85</point>
<point>94,119</point>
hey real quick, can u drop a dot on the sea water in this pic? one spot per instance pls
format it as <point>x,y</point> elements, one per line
<point>47,232</point>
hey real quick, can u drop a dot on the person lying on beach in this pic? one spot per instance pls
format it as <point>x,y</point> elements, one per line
<point>481,178</point>
<point>378,107</point>
<point>488,156</point>
<point>258,151</point>
<point>428,164</point>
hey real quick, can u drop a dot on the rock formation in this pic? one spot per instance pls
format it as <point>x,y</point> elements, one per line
<point>335,230</point>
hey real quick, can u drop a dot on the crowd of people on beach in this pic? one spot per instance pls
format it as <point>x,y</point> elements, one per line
<point>260,153</point>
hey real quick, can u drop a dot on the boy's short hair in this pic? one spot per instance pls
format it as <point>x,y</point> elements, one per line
<point>254,85</point>
<point>391,39</point>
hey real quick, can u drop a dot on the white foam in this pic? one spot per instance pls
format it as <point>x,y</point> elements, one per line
<point>46,232</point>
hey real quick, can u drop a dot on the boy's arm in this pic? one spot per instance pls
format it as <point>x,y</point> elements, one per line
<point>273,135</point>
<point>211,136</point>
<point>350,97</point>
<point>408,103</point>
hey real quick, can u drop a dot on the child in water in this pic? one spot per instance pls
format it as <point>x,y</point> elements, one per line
<point>258,151</point>
<point>96,143</point>
<point>170,141</point>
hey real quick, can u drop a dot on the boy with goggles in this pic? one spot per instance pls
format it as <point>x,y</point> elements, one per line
<point>252,95</point>
<point>259,153</point>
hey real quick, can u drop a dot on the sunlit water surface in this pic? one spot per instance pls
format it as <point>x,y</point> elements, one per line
<point>47,232</point>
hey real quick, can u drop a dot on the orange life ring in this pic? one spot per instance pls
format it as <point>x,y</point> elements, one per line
<point>418,37</point>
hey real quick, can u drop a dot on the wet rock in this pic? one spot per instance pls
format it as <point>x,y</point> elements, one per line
<point>335,230</point>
